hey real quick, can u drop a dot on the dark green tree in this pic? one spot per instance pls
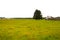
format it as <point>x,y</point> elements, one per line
<point>37,14</point>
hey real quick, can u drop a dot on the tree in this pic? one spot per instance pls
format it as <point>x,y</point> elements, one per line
<point>37,14</point>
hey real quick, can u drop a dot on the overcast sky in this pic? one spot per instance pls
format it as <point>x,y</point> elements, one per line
<point>26,8</point>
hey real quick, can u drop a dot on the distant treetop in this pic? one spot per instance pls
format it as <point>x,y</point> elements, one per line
<point>37,14</point>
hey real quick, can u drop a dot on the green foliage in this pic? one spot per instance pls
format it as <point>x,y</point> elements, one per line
<point>37,15</point>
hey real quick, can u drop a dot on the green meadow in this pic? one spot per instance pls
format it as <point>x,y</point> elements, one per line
<point>29,29</point>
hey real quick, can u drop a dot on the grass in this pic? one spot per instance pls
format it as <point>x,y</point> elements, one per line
<point>29,29</point>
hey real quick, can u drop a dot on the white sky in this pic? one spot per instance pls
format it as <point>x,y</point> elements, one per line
<point>26,8</point>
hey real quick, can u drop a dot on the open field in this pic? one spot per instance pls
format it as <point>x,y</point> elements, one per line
<point>29,29</point>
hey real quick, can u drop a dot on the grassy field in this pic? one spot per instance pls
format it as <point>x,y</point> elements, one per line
<point>29,29</point>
